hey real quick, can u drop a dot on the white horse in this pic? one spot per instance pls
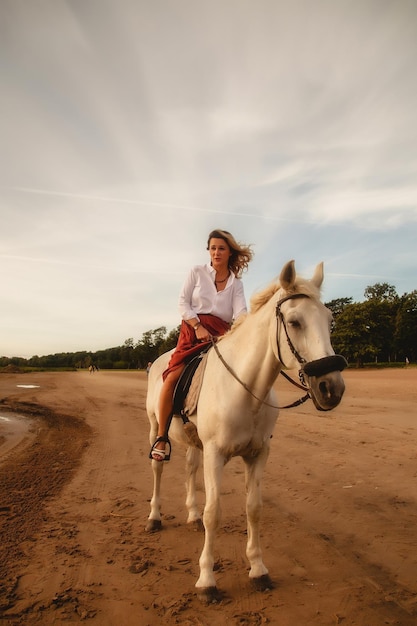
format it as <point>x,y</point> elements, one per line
<point>287,327</point>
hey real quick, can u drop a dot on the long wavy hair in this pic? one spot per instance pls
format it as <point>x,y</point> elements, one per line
<point>241,254</point>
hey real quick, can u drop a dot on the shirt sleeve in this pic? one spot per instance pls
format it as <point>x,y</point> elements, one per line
<point>239,300</point>
<point>186,296</point>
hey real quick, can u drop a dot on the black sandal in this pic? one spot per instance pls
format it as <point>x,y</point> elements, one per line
<point>162,454</point>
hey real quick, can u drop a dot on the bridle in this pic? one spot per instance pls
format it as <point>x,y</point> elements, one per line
<point>280,318</point>
<point>318,367</point>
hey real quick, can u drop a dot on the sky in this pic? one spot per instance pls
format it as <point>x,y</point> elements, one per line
<point>130,129</point>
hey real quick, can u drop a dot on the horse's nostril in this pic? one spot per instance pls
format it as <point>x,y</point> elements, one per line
<point>324,389</point>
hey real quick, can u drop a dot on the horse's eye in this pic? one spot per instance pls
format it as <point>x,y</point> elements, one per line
<point>294,324</point>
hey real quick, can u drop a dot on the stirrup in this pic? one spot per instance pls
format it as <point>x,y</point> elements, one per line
<point>165,456</point>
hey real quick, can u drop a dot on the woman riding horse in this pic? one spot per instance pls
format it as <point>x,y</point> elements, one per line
<point>211,298</point>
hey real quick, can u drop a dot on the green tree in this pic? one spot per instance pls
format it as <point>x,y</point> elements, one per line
<point>381,292</point>
<point>406,327</point>
<point>381,319</point>
<point>149,347</point>
<point>338,306</point>
<point>170,341</point>
<point>127,355</point>
<point>383,302</point>
<point>352,334</point>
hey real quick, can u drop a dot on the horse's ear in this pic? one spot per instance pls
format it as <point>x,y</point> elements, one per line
<point>317,279</point>
<point>287,276</point>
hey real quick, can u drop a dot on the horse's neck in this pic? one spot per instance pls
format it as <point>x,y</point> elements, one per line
<point>249,349</point>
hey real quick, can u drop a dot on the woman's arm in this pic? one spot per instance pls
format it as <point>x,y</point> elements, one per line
<point>239,300</point>
<point>185,298</point>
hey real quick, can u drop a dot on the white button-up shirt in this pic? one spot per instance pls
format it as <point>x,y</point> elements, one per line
<point>199,295</point>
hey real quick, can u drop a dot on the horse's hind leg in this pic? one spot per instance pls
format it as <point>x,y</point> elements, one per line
<point>191,467</point>
<point>254,470</point>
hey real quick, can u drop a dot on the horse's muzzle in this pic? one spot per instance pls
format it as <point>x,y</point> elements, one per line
<point>321,367</point>
<point>325,381</point>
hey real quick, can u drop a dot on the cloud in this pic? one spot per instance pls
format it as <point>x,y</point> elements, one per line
<point>130,130</point>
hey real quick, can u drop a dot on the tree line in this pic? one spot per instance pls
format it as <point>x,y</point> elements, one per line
<point>381,329</point>
<point>130,355</point>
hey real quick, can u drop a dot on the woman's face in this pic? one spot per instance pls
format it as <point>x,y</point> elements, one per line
<point>220,253</point>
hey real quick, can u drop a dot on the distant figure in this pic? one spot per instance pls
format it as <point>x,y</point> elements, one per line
<point>407,362</point>
<point>148,367</point>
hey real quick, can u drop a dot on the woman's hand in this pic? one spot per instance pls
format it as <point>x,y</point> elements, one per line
<point>202,333</point>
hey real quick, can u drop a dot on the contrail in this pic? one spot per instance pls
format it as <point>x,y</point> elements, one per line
<point>162,205</point>
<point>354,275</point>
<point>110,268</point>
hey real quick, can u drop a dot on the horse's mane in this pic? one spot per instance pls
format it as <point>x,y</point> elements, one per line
<point>235,325</point>
<point>258,300</point>
<point>301,285</point>
<point>262,297</point>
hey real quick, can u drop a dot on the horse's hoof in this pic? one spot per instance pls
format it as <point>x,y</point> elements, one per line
<point>197,525</point>
<point>262,583</point>
<point>153,526</point>
<point>209,595</point>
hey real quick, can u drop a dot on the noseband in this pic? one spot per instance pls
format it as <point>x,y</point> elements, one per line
<point>319,367</point>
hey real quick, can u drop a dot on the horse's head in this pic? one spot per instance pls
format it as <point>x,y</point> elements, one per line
<point>303,337</point>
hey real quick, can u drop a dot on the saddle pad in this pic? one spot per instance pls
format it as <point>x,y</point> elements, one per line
<point>184,382</point>
<point>190,403</point>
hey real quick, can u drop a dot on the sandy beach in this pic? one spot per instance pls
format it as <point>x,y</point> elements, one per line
<point>339,530</point>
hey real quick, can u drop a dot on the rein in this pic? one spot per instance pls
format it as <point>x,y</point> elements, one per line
<point>245,386</point>
<point>318,367</point>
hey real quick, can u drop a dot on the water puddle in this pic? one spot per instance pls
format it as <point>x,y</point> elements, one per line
<point>13,430</point>
<point>28,386</point>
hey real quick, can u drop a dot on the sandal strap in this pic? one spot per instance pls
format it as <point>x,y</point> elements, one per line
<point>166,455</point>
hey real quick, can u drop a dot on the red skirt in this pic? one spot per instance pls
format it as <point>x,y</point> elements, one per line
<point>188,344</point>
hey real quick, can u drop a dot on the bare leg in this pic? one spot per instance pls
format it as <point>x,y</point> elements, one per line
<point>165,407</point>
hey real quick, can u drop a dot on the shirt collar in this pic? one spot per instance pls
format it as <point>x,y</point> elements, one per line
<point>213,271</point>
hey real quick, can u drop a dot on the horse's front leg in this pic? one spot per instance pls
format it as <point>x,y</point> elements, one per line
<point>213,469</point>
<point>154,520</point>
<point>254,469</point>
<point>191,467</point>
